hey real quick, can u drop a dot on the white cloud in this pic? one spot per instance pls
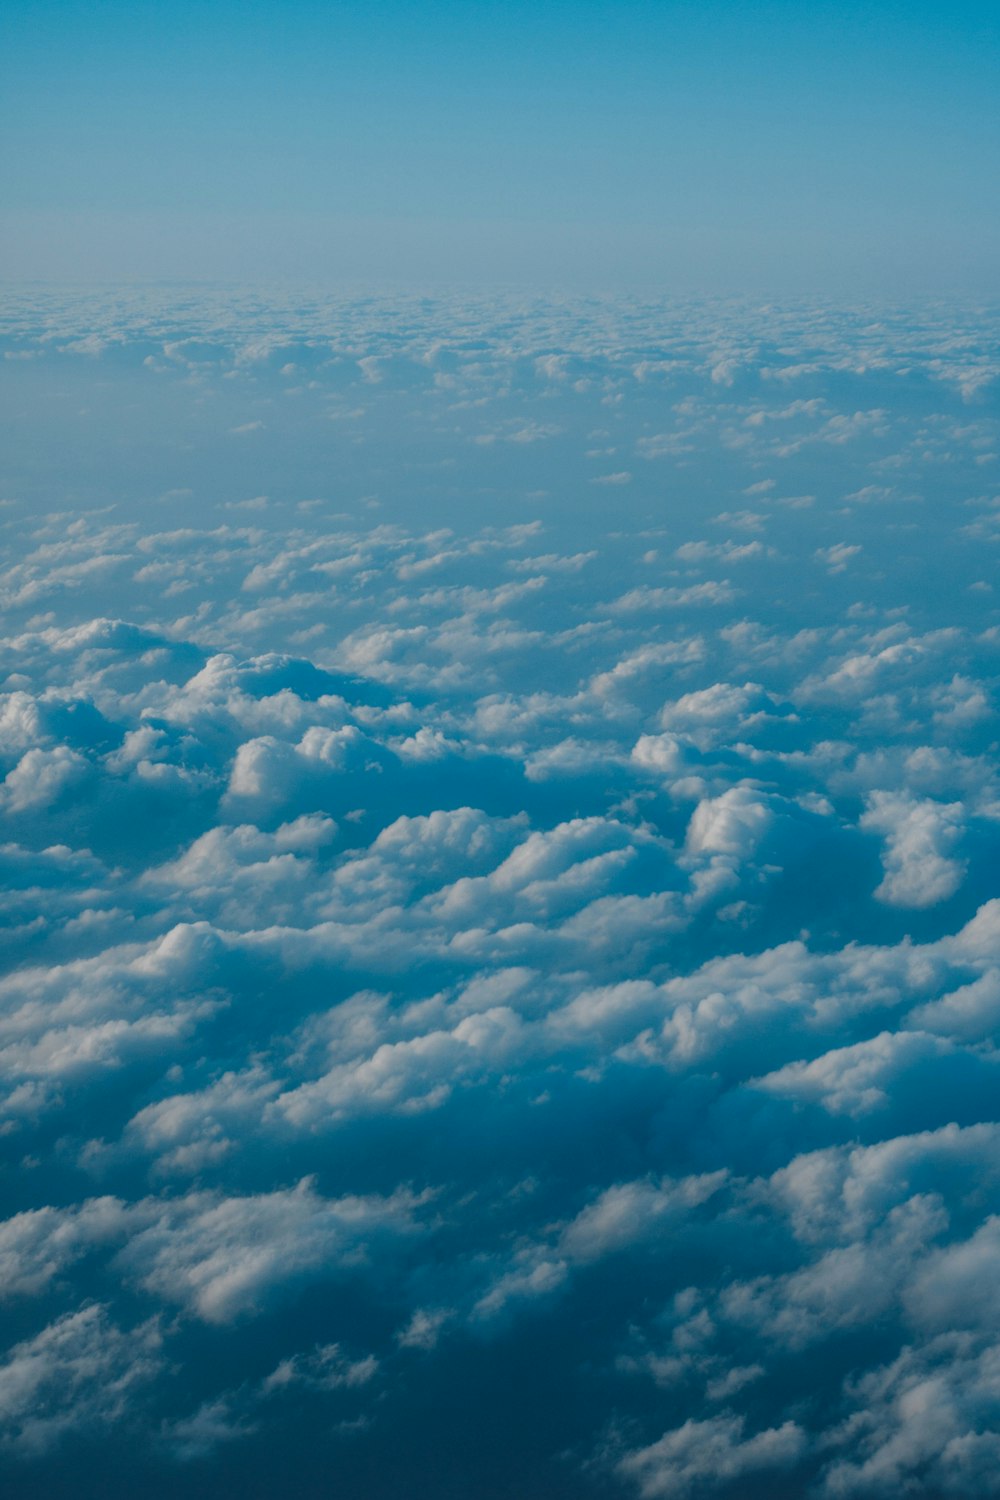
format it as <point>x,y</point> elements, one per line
<point>515,896</point>
<point>919,839</point>
<point>222,1257</point>
<point>41,777</point>
<point>710,1454</point>
<point>81,1373</point>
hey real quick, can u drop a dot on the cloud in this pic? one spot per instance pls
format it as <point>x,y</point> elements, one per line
<point>81,1373</point>
<point>221,1257</point>
<point>469,957</point>
<point>919,837</point>
<point>710,1454</point>
<point>928,1419</point>
<point>41,777</point>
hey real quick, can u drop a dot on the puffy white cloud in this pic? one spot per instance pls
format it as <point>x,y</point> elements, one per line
<point>920,837</point>
<point>970,1012</point>
<point>926,1422</point>
<point>221,1257</point>
<point>408,1075</point>
<point>41,777</point>
<point>629,1212</point>
<point>840,1193</point>
<point>81,1373</point>
<point>859,1078</point>
<point>37,1245</point>
<point>517,898</point>
<point>958,1285</point>
<point>732,824</point>
<point>710,1454</point>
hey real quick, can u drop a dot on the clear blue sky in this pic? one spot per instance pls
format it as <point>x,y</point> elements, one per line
<point>713,146</point>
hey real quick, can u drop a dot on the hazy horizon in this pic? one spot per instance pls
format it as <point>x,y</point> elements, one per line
<point>703,148</point>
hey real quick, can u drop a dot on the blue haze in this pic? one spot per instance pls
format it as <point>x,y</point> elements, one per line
<point>690,147</point>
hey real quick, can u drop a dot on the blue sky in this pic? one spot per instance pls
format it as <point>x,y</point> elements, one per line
<point>689,147</point>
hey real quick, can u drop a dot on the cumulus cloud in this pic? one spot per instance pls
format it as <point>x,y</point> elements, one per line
<point>80,1373</point>
<point>710,1454</point>
<point>516,950</point>
<point>920,836</point>
<point>927,1421</point>
<point>41,777</point>
<point>221,1257</point>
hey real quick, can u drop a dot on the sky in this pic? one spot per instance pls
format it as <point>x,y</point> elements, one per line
<point>716,147</point>
<point>499,729</point>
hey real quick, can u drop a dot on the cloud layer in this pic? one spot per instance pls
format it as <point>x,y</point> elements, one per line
<point>502,933</point>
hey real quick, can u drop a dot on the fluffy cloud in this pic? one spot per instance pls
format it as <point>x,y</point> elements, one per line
<point>489,947</point>
<point>710,1454</point>
<point>221,1257</point>
<point>919,837</point>
<point>41,777</point>
<point>80,1373</point>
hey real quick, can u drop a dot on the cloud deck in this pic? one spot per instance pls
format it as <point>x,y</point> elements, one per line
<point>500,827</point>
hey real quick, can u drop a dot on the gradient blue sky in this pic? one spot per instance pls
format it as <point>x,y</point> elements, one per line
<point>717,146</point>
